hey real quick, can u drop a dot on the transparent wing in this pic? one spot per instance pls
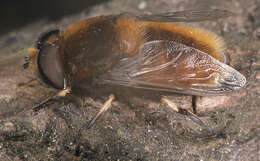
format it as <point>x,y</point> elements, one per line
<point>170,66</point>
<point>187,16</point>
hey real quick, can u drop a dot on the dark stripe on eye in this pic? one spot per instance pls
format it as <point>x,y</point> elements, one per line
<point>45,36</point>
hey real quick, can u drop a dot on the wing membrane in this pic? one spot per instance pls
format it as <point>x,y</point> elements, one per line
<point>171,66</point>
<point>187,16</point>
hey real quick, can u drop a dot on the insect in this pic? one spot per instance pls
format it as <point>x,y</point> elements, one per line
<point>139,51</point>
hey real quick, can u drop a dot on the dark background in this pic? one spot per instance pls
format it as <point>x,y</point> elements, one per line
<point>17,13</point>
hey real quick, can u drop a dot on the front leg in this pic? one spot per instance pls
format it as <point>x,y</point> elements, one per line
<point>61,93</point>
<point>103,109</point>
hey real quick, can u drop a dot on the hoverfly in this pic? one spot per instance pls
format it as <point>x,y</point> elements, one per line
<point>140,51</point>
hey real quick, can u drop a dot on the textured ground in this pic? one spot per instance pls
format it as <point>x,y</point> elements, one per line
<point>136,128</point>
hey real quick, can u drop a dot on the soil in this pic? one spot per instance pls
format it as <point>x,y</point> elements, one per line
<point>136,128</point>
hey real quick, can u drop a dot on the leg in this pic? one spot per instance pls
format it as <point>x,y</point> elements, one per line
<point>104,108</point>
<point>61,93</point>
<point>194,98</point>
<point>27,84</point>
<point>191,115</point>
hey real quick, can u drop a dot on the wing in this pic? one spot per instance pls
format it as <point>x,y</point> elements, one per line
<point>187,16</point>
<point>174,67</point>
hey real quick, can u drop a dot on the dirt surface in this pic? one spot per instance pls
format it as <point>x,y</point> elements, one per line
<point>139,128</point>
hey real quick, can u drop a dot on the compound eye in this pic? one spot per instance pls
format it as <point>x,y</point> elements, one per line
<point>50,66</point>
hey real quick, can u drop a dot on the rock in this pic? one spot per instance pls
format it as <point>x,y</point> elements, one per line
<point>142,5</point>
<point>211,103</point>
